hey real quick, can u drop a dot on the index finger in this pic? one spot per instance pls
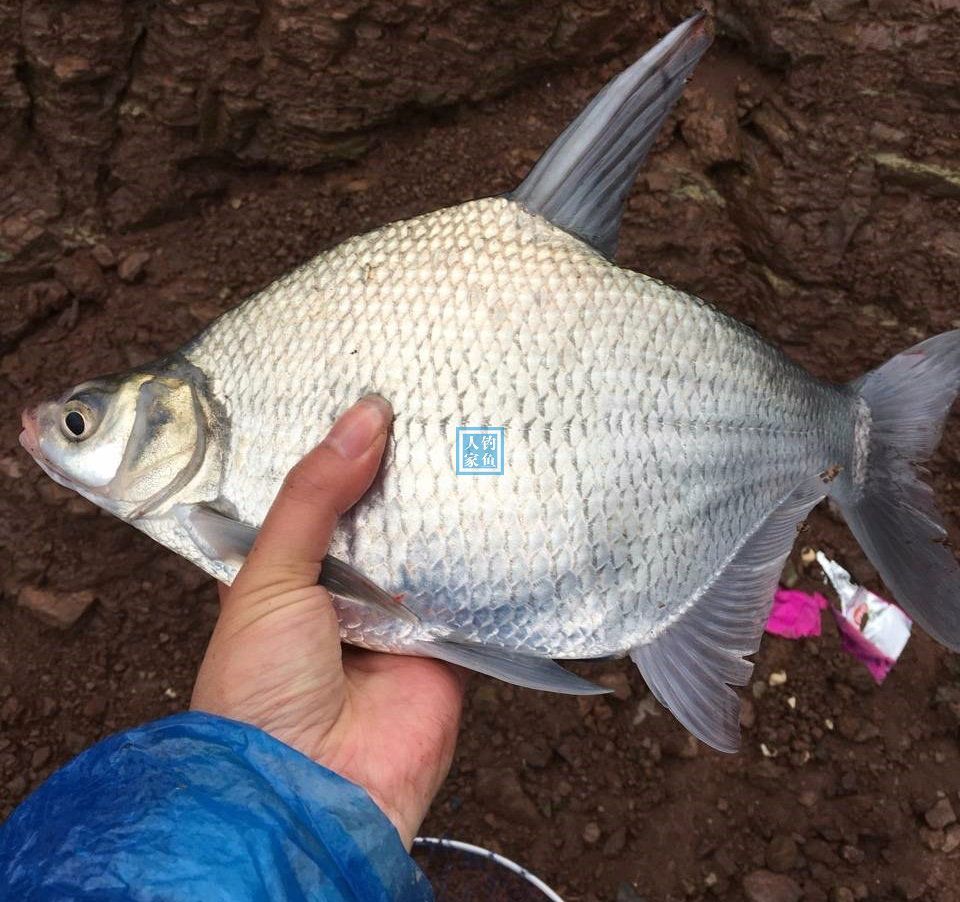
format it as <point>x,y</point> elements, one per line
<point>296,532</point>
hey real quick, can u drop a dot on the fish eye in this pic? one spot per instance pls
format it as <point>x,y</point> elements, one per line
<point>77,421</point>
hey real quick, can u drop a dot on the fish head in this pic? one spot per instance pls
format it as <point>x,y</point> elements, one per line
<point>127,443</point>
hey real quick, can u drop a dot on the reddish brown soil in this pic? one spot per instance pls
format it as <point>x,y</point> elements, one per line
<point>787,193</point>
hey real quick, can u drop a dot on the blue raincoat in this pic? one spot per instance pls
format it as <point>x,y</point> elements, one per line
<point>199,807</point>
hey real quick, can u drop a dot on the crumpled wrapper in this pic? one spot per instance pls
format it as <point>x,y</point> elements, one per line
<point>873,630</point>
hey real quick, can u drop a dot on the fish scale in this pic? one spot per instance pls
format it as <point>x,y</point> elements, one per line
<point>580,549</point>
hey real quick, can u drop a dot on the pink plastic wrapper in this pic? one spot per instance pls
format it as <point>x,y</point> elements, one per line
<point>872,629</point>
<point>796,614</point>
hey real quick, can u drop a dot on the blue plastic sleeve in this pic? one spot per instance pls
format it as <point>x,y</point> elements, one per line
<point>200,807</point>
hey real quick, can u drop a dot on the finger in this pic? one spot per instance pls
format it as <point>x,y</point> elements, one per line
<point>296,532</point>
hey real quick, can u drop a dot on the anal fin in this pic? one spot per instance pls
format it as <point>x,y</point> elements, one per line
<point>691,665</point>
<point>529,671</point>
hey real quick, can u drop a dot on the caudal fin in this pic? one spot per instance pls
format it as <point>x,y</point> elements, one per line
<point>887,506</point>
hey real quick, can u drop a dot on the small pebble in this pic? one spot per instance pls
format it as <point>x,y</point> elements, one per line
<point>940,815</point>
<point>59,609</point>
<point>133,266</point>
<point>765,886</point>
<point>951,839</point>
<point>104,257</point>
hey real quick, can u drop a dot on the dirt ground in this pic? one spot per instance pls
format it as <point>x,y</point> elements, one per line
<point>161,161</point>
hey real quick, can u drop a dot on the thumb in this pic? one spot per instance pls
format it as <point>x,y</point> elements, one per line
<point>295,535</point>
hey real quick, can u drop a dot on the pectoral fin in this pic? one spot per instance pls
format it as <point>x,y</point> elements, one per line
<point>218,536</point>
<point>225,538</point>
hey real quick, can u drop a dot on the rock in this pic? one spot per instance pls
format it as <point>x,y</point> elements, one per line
<point>47,296</point>
<point>80,507</point>
<point>536,753</point>
<point>53,493</point>
<point>951,839</point>
<point>852,853</point>
<point>681,745</point>
<point>591,833</point>
<point>104,257</point>
<point>82,277</point>
<point>765,886</point>
<point>11,467</point>
<point>59,609</point>
<point>885,134</point>
<point>933,180</point>
<point>95,707</point>
<point>820,851</point>
<point>932,839</point>
<point>940,815</point>
<point>709,127</point>
<point>842,894</point>
<point>781,854</point>
<point>790,577</point>
<point>40,757</point>
<point>133,266</point>
<point>618,682</point>
<point>16,786</point>
<point>499,790</point>
<point>616,843</point>
<point>838,10</point>
<point>909,887</point>
<point>10,710</point>
<point>485,698</point>
<point>856,728</point>
<point>627,893</point>
<point>20,234</point>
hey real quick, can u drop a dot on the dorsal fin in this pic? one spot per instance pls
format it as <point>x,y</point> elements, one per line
<point>581,183</point>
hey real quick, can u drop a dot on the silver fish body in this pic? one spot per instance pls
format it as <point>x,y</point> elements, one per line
<point>657,456</point>
<point>645,434</point>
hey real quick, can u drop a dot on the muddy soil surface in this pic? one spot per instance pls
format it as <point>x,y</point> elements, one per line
<point>161,161</point>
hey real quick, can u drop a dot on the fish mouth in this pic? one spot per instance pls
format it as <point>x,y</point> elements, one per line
<point>29,437</point>
<point>30,441</point>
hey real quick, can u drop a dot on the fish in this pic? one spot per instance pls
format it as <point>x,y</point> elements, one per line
<point>584,463</point>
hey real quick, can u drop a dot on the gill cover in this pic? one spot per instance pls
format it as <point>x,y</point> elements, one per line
<point>166,445</point>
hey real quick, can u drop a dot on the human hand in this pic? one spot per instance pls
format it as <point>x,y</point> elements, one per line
<point>386,722</point>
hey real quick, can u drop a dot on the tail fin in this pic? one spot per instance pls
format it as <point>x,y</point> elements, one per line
<point>889,509</point>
